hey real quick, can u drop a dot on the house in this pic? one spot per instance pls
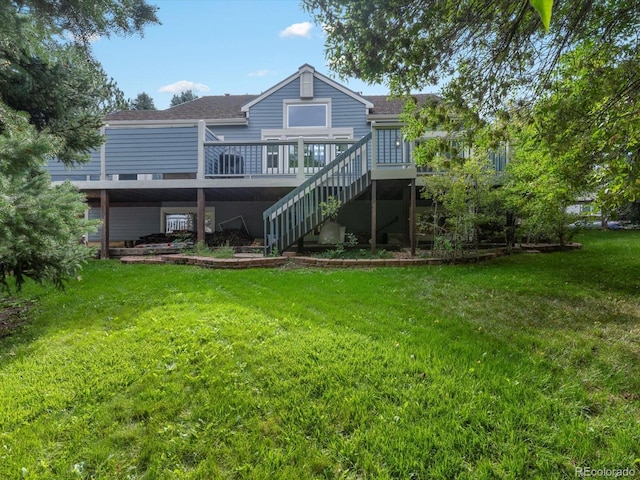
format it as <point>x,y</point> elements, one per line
<point>266,161</point>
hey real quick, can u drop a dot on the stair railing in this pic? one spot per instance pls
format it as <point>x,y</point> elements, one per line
<point>299,212</point>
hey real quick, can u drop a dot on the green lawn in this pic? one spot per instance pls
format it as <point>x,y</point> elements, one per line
<point>524,367</point>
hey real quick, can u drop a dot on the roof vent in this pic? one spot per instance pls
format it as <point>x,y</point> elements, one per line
<point>306,84</point>
<point>227,94</point>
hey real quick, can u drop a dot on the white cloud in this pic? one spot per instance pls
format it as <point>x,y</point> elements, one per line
<point>260,73</point>
<point>183,86</point>
<point>297,30</point>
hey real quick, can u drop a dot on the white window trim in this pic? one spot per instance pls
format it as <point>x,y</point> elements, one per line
<point>164,211</point>
<point>307,133</point>
<point>316,101</point>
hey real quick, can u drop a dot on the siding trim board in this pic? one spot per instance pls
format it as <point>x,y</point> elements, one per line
<point>307,133</point>
<point>175,123</point>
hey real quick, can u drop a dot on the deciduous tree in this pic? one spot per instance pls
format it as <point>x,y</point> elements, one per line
<point>486,53</point>
<point>574,70</point>
<point>588,121</point>
<point>536,189</point>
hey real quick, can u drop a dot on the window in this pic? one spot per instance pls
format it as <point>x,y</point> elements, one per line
<point>186,222</point>
<point>151,176</point>
<point>175,219</point>
<point>128,176</point>
<point>273,156</point>
<point>180,222</point>
<point>315,155</point>
<point>282,158</point>
<point>342,147</point>
<point>178,176</point>
<point>307,115</point>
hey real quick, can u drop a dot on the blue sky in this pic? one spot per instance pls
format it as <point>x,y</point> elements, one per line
<point>216,47</point>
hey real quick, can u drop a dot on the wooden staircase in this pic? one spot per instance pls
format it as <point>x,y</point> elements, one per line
<point>299,212</point>
<point>344,178</point>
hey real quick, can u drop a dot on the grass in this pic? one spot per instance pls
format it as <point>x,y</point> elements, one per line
<point>524,367</point>
<point>201,249</point>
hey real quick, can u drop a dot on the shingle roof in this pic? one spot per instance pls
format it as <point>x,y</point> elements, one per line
<point>383,105</point>
<point>209,107</point>
<point>220,107</point>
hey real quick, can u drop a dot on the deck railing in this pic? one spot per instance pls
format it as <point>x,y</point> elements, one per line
<point>299,158</point>
<point>498,159</point>
<point>296,158</point>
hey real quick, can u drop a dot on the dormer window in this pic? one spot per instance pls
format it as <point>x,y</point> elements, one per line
<point>307,115</point>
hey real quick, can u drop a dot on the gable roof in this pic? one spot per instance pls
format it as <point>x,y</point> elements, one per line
<point>233,109</point>
<point>308,68</point>
<point>229,107</point>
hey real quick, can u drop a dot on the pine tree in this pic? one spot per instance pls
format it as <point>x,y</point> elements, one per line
<point>142,102</point>
<point>40,224</point>
<point>183,97</point>
<point>53,97</point>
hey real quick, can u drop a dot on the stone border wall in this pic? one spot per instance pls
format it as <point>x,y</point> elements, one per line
<point>256,261</point>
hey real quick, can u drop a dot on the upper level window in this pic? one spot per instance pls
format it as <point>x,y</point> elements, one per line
<point>307,115</point>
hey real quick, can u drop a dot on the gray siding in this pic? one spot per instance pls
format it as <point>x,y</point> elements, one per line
<point>175,149</point>
<point>346,112</point>
<point>91,169</point>
<point>128,223</point>
<point>131,223</point>
<point>208,152</point>
<point>152,150</point>
<point>391,148</point>
<point>268,114</point>
<point>251,212</point>
<point>138,150</point>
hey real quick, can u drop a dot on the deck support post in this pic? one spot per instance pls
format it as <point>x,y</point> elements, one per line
<point>103,155</point>
<point>374,214</point>
<point>300,174</point>
<point>202,128</point>
<point>104,215</point>
<point>412,218</point>
<point>201,202</point>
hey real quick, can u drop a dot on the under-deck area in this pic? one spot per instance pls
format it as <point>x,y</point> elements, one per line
<point>274,188</point>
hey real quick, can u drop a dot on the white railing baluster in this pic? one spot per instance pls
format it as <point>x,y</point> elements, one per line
<point>299,211</point>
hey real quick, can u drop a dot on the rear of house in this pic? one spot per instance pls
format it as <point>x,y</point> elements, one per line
<point>258,163</point>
